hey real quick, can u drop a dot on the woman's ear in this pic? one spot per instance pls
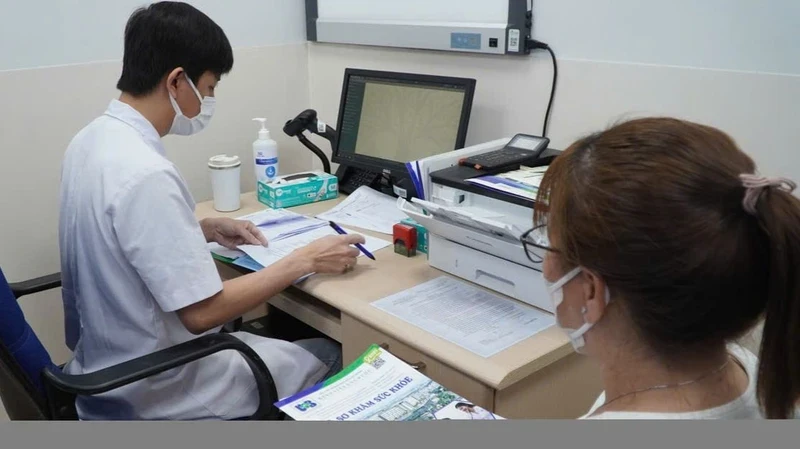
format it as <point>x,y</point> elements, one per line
<point>594,292</point>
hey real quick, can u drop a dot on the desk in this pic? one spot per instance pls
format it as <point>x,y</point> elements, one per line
<point>540,377</point>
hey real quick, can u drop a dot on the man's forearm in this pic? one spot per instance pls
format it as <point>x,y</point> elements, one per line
<point>242,295</point>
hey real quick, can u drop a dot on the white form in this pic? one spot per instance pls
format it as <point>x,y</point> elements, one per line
<point>266,256</point>
<point>472,318</point>
<point>277,224</point>
<point>368,209</point>
<point>274,224</point>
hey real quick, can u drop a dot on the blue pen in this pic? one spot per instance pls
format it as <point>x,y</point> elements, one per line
<point>341,231</point>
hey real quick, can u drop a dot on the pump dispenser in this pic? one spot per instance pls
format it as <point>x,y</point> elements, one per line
<point>265,154</point>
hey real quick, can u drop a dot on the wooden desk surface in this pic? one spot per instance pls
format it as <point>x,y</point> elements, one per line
<point>370,281</point>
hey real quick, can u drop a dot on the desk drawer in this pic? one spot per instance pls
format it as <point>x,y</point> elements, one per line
<point>357,337</point>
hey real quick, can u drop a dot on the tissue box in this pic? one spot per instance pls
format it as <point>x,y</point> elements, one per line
<point>422,235</point>
<point>301,188</point>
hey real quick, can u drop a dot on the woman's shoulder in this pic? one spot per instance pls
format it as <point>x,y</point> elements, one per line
<point>746,358</point>
<point>744,407</point>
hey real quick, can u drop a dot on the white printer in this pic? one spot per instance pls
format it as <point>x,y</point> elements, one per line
<point>474,232</point>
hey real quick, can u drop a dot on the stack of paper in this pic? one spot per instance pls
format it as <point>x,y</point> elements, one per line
<point>420,171</point>
<point>472,217</point>
<point>472,318</point>
<point>274,224</point>
<point>266,256</point>
<point>285,231</point>
<point>366,208</point>
<point>380,387</point>
<point>523,183</point>
<point>278,224</point>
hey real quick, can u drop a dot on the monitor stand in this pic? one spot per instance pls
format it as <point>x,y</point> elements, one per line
<point>351,178</point>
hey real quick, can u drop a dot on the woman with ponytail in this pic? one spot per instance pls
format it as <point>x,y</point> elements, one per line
<point>662,247</point>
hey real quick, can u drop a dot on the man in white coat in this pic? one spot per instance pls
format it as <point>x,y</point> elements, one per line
<point>137,275</point>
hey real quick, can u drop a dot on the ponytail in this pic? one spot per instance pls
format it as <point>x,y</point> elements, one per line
<point>779,366</point>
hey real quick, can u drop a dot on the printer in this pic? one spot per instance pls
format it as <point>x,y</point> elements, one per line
<point>474,232</point>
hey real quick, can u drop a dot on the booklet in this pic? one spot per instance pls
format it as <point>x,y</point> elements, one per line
<point>523,183</point>
<point>380,387</point>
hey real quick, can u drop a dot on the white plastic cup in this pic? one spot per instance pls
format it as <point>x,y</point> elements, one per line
<point>226,182</point>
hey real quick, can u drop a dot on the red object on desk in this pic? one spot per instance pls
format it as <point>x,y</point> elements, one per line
<point>405,239</point>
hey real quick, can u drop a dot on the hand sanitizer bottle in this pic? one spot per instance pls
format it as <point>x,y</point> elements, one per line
<point>265,153</point>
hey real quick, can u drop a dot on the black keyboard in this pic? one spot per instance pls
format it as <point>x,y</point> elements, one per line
<point>506,158</point>
<point>356,178</point>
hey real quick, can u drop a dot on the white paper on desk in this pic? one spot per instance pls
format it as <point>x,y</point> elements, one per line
<point>368,209</point>
<point>266,256</point>
<point>278,224</point>
<point>472,318</point>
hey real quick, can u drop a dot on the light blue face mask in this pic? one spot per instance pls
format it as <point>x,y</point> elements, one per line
<point>556,292</point>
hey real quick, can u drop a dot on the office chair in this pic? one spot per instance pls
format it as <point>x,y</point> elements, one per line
<point>34,388</point>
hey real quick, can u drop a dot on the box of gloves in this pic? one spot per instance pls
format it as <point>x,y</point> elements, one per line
<point>298,189</point>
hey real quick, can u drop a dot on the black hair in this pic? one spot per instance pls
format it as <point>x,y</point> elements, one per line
<point>168,35</point>
<point>464,404</point>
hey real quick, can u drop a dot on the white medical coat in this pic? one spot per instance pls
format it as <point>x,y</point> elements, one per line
<point>132,254</point>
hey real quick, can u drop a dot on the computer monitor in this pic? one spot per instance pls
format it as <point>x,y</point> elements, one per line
<point>387,119</point>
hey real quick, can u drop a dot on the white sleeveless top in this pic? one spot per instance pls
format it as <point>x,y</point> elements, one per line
<point>744,407</point>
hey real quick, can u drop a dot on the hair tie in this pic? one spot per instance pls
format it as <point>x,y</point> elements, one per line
<point>754,185</point>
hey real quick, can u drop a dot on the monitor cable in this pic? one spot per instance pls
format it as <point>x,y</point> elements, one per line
<point>533,44</point>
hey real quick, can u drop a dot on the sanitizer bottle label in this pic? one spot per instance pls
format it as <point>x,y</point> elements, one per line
<point>267,169</point>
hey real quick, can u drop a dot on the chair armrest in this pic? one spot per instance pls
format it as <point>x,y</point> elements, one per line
<point>37,285</point>
<point>158,362</point>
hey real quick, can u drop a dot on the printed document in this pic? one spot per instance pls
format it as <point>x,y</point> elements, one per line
<point>275,225</point>
<point>380,387</point>
<point>368,209</point>
<point>278,224</point>
<point>277,250</point>
<point>474,319</point>
<point>523,183</point>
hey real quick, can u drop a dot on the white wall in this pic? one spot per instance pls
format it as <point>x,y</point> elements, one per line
<point>53,87</point>
<point>56,32</point>
<point>759,111</point>
<point>759,36</point>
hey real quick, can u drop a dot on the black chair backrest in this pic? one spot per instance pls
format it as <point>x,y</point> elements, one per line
<point>22,401</point>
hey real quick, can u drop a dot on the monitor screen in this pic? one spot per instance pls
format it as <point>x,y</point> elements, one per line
<point>399,117</point>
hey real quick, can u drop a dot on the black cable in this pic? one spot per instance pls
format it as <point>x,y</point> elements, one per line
<point>552,93</point>
<point>533,45</point>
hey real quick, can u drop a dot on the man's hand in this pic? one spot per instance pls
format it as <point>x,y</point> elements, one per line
<point>231,233</point>
<point>333,254</point>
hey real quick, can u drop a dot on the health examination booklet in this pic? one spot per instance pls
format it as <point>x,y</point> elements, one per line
<point>380,387</point>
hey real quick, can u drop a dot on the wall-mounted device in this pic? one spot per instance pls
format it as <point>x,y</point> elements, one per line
<point>498,27</point>
<point>387,119</point>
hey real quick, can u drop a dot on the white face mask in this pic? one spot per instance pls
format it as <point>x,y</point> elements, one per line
<point>556,291</point>
<point>185,126</point>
